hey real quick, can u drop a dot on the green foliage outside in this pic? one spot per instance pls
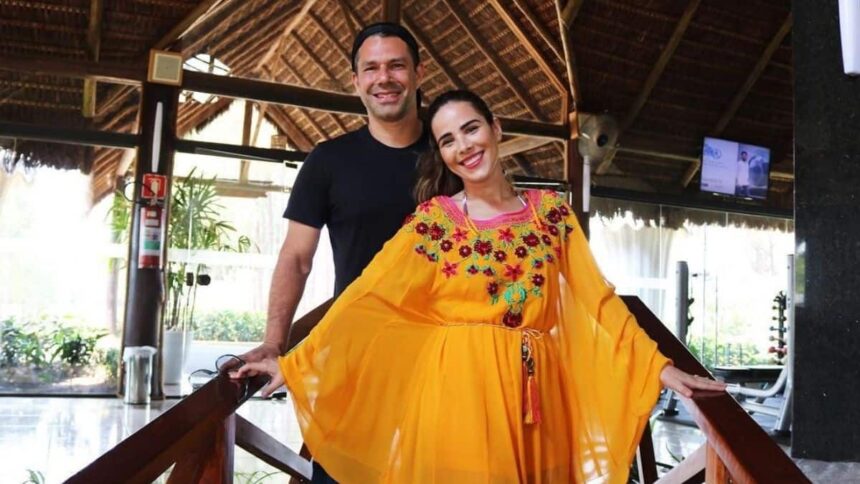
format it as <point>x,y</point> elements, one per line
<point>727,354</point>
<point>52,349</point>
<point>230,326</point>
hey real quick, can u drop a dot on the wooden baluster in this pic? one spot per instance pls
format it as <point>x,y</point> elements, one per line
<point>212,461</point>
<point>715,470</point>
<point>646,464</point>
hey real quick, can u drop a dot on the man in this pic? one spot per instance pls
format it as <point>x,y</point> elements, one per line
<point>742,177</point>
<point>358,184</point>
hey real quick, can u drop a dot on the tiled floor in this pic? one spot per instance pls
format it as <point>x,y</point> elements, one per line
<point>58,436</point>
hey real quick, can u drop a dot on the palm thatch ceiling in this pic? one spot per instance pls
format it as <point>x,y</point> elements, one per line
<point>669,71</point>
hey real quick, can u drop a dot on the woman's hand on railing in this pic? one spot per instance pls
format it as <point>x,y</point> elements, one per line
<point>684,383</point>
<point>269,367</point>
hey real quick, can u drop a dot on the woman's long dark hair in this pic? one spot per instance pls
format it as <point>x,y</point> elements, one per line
<point>434,177</point>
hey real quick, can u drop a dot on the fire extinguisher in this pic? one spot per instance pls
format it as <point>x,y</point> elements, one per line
<point>152,222</point>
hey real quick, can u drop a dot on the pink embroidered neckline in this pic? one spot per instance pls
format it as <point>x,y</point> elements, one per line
<point>522,215</point>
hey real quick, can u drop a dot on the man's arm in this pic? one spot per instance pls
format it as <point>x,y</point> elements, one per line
<point>288,285</point>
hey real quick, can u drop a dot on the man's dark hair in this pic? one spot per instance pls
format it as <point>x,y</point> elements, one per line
<point>384,29</point>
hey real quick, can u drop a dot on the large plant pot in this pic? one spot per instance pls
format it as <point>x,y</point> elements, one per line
<point>174,353</point>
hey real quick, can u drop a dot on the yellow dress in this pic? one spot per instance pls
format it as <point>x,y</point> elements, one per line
<point>477,351</point>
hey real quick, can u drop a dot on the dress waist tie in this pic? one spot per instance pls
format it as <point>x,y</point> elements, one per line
<point>531,395</point>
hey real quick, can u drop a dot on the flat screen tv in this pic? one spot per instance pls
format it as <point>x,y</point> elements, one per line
<point>735,169</point>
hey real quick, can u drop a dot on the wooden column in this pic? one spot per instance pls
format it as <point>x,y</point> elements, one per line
<point>145,292</point>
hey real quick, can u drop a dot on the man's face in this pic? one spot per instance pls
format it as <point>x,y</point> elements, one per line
<point>386,78</point>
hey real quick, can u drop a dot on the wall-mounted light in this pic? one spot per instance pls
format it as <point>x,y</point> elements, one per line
<point>849,25</point>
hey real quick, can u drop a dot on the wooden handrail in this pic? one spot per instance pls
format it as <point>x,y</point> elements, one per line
<point>198,434</point>
<point>745,450</point>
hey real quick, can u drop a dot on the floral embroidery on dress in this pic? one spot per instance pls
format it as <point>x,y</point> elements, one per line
<point>511,253</point>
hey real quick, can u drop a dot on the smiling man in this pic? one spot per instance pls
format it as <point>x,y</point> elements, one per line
<point>358,184</point>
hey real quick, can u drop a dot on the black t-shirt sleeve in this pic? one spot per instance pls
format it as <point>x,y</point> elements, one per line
<point>309,198</point>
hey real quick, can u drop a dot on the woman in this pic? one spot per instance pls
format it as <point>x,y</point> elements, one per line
<point>482,343</point>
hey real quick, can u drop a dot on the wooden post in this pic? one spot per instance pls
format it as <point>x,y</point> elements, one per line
<point>145,292</point>
<point>715,470</point>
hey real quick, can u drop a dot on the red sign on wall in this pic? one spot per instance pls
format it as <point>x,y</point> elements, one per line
<point>154,187</point>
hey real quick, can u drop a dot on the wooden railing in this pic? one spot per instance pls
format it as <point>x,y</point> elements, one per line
<point>199,434</point>
<point>736,448</point>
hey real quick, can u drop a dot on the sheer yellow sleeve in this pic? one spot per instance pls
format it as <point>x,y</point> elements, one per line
<point>614,366</point>
<point>341,378</point>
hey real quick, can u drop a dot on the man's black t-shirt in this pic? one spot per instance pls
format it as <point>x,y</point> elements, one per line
<point>361,189</point>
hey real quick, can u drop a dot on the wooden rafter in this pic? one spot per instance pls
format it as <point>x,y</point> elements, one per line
<point>526,42</point>
<point>302,81</point>
<point>196,14</point>
<point>331,38</point>
<point>325,70</point>
<point>94,40</point>
<point>540,28</point>
<point>570,11</point>
<point>351,23</point>
<point>286,125</point>
<point>569,57</point>
<point>472,31</point>
<point>428,46</point>
<point>653,77</point>
<point>391,10</point>
<point>521,144</point>
<point>288,29</point>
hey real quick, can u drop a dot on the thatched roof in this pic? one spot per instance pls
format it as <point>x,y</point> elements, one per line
<point>669,71</point>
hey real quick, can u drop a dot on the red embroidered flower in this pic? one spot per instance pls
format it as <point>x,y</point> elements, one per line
<point>472,269</point>
<point>409,218</point>
<point>564,211</point>
<point>446,245</point>
<point>449,269</point>
<point>546,239</point>
<point>549,258</point>
<point>420,249</point>
<point>493,288</point>
<point>538,264</point>
<point>500,255</point>
<point>425,206</point>
<point>460,235</point>
<point>465,251</point>
<point>432,257</point>
<point>506,235</point>
<point>512,320</point>
<point>568,229</point>
<point>489,272</point>
<point>483,247</point>
<point>537,280</point>
<point>513,272</point>
<point>557,250</point>
<point>531,239</point>
<point>436,232</point>
<point>553,230</point>
<point>553,216</point>
<point>521,252</point>
<point>421,228</point>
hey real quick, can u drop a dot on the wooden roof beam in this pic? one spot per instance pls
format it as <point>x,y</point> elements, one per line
<point>94,40</point>
<point>472,31</point>
<point>520,145</point>
<point>326,72</point>
<point>541,29</point>
<point>391,11</point>
<point>353,23</point>
<point>331,38</point>
<point>654,76</point>
<point>569,57</point>
<point>570,11</point>
<point>196,15</point>
<point>288,29</point>
<point>530,47</point>
<point>424,42</point>
<point>286,125</point>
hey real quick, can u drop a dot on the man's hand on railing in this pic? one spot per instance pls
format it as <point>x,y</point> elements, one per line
<point>269,366</point>
<point>684,383</point>
<point>263,352</point>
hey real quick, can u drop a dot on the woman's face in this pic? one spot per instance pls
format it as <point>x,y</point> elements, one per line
<point>468,144</point>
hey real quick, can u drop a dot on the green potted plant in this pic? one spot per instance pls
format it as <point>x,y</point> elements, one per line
<point>195,224</point>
